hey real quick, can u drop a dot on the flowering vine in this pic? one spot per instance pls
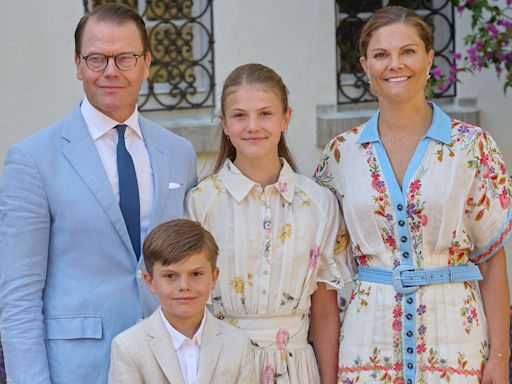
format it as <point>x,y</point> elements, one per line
<point>489,45</point>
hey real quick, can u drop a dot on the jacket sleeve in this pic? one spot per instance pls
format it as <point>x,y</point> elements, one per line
<point>247,373</point>
<point>123,369</point>
<point>24,240</point>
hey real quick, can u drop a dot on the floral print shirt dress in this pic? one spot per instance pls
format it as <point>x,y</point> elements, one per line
<point>453,208</point>
<point>275,245</point>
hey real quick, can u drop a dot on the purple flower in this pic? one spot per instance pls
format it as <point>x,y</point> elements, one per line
<point>460,8</point>
<point>456,56</point>
<point>504,23</point>
<point>422,329</point>
<point>492,29</point>
<point>437,72</point>
<point>421,309</point>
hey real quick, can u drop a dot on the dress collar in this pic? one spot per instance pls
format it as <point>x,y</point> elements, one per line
<point>439,130</point>
<point>239,185</point>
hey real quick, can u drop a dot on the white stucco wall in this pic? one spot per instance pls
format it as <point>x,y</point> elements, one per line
<point>37,75</point>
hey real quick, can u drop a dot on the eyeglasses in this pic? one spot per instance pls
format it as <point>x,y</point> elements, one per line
<point>124,61</point>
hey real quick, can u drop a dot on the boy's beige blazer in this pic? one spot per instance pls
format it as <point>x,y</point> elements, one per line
<point>145,354</point>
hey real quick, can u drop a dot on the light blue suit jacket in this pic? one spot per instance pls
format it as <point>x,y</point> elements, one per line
<point>69,279</point>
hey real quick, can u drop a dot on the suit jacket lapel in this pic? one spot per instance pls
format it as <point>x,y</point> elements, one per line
<point>161,165</point>
<point>211,347</point>
<point>81,153</point>
<point>163,349</point>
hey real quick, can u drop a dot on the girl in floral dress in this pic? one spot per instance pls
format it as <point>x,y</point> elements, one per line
<point>280,236</point>
<point>426,199</point>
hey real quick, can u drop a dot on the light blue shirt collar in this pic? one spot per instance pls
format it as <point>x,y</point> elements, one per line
<point>439,130</point>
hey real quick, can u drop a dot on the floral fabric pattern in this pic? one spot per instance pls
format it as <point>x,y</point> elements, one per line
<point>275,245</point>
<point>456,197</point>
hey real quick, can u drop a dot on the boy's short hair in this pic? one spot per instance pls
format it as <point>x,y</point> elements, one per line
<point>175,240</point>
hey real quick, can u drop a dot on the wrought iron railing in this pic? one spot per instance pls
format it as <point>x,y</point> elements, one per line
<point>181,46</point>
<point>353,14</point>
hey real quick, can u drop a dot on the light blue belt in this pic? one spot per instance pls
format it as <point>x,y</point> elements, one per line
<point>407,279</point>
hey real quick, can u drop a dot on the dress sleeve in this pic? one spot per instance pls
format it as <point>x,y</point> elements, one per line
<point>487,209</point>
<point>336,264</point>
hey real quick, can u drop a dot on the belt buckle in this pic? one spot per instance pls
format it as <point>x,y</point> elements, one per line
<point>397,279</point>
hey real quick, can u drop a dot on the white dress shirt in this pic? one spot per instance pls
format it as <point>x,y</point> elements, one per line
<point>188,350</point>
<point>105,139</point>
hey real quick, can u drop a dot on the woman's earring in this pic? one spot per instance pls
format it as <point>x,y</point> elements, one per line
<point>369,82</point>
<point>227,137</point>
<point>428,75</point>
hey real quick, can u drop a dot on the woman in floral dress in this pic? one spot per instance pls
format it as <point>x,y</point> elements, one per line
<point>280,236</point>
<point>432,223</point>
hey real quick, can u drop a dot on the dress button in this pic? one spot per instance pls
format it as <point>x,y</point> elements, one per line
<point>410,300</point>
<point>265,272</point>
<point>403,239</point>
<point>264,292</point>
<point>409,333</point>
<point>409,381</point>
<point>410,350</point>
<point>408,316</point>
<point>400,207</point>
<point>139,274</point>
<point>410,366</point>
<point>401,223</point>
<point>405,254</point>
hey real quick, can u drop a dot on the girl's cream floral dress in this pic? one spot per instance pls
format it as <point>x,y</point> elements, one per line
<point>275,245</point>
<point>453,209</point>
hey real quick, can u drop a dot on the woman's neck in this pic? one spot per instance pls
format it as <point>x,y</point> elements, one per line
<point>402,119</point>
<point>262,171</point>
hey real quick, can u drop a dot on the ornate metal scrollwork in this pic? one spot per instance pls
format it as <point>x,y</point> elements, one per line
<point>181,45</point>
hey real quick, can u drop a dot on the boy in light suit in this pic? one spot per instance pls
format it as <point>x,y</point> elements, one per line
<point>181,342</point>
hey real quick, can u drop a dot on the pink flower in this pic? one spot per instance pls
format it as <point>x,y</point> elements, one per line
<point>282,338</point>
<point>415,186</point>
<point>424,220</point>
<point>397,326</point>
<point>421,348</point>
<point>504,199</point>
<point>282,186</point>
<point>268,375</point>
<point>313,256</point>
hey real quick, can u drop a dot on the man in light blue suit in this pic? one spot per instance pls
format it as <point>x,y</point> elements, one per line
<point>76,200</point>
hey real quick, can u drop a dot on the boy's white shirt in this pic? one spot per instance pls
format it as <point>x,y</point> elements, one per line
<point>188,350</point>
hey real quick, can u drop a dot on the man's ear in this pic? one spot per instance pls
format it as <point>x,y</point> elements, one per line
<point>78,69</point>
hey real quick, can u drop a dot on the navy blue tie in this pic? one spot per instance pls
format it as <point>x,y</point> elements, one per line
<point>128,190</point>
